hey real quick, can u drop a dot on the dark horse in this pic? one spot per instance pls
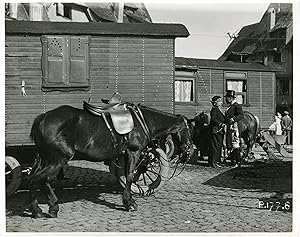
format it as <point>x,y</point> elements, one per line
<point>200,132</point>
<point>248,128</point>
<point>67,133</point>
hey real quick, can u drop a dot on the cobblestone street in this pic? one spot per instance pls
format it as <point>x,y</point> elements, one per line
<point>200,199</point>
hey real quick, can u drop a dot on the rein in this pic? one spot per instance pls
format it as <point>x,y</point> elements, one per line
<point>188,144</point>
<point>186,150</point>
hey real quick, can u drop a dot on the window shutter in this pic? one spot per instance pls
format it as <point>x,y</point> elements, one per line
<point>65,63</point>
<point>53,60</point>
<point>79,60</point>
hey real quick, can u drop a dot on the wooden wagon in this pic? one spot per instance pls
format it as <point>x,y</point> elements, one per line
<point>48,64</point>
<point>253,82</point>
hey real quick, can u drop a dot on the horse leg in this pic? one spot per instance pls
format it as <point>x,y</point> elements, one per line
<point>130,162</point>
<point>36,211</point>
<point>52,200</point>
<point>251,144</point>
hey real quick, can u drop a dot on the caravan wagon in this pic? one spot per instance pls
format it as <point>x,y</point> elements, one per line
<point>48,64</point>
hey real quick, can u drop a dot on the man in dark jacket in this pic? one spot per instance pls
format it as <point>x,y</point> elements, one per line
<point>233,114</point>
<point>217,131</point>
<point>286,124</point>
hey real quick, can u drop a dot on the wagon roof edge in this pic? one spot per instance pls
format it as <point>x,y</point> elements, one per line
<point>93,28</point>
<point>197,63</point>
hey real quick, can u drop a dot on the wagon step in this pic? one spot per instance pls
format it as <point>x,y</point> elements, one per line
<point>277,143</point>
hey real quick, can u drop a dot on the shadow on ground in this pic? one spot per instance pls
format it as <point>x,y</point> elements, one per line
<point>260,176</point>
<point>80,184</point>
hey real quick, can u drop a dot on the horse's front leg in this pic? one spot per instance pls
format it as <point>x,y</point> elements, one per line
<point>130,162</point>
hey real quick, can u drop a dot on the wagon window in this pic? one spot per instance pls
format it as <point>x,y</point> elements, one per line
<point>184,88</point>
<point>65,63</point>
<point>237,81</point>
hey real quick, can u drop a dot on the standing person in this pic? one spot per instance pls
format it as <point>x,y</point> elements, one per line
<point>233,114</point>
<point>275,127</point>
<point>278,130</point>
<point>286,123</point>
<point>217,131</point>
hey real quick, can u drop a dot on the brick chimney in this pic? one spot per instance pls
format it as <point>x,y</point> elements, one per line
<point>13,10</point>
<point>36,12</point>
<point>119,11</point>
<point>272,19</point>
<point>265,59</point>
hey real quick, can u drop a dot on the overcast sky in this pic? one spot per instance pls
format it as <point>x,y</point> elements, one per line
<point>207,24</point>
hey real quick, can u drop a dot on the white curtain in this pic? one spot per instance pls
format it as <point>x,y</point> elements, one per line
<point>240,99</point>
<point>183,91</point>
<point>235,85</point>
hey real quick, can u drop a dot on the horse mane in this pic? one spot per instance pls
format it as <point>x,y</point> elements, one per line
<point>176,127</point>
<point>159,111</point>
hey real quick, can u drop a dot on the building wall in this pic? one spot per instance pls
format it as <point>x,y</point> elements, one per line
<point>142,69</point>
<point>285,102</point>
<point>77,14</point>
<point>210,82</point>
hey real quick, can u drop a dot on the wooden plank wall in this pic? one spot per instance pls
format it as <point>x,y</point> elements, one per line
<point>140,68</point>
<point>262,96</point>
<point>210,82</point>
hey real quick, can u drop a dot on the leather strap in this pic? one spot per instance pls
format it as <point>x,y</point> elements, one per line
<point>110,129</point>
<point>140,117</point>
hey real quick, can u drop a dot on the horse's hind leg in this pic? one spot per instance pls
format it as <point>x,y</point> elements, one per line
<point>34,205</point>
<point>130,162</point>
<point>52,200</point>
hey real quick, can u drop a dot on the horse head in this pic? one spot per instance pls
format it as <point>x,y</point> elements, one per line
<point>202,119</point>
<point>200,131</point>
<point>186,145</point>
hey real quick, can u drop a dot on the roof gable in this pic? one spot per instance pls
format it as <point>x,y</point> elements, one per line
<point>254,38</point>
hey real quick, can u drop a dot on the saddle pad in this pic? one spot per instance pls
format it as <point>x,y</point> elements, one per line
<point>122,121</point>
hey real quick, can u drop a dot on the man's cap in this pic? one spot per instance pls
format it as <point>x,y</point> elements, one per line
<point>215,98</point>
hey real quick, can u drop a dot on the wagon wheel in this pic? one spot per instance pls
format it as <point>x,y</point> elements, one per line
<point>13,175</point>
<point>149,175</point>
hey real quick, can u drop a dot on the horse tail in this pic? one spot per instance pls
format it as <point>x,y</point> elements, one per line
<point>258,124</point>
<point>35,133</point>
<point>46,163</point>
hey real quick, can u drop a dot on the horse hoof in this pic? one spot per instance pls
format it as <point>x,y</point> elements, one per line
<point>40,215</point>
<point>53,214</point>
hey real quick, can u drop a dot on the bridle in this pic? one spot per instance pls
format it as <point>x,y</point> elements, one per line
<point>186,147</point>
